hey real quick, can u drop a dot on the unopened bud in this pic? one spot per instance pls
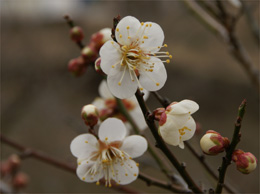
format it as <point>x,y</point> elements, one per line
<point>20,180</point>
<point>98,67</point>
<point>76,34</point>
<point>14,162</point>
<point>89,51</point>
<point>5,168</point>
<point>77,66</point>
<point>90,115</point>
<point>101,37</point>
<point>157,113</point>
<point>213,143</point>
<point>246,162</point>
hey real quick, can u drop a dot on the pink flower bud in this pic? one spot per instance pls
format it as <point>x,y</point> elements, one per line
<point>246,162</point>
<point>90,115</point>
<point>98,68</point>
<point>77,66</point>
<point>101,37</point>
<point>213,143</point>
<point>5,168</point>
<point>158,113</point>
<point>14,162</point>
<point>89,52</point>
<point>20,180</point>
<point>76,34</point>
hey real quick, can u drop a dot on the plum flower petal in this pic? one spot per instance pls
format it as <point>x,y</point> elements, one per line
<point>176,124</point>
<point>134,145</point>
<point>79,148</point>
<point>110,55</point>
<point>115,133</point>
<point>154,80</point>
<point>111,157</point>
<point>134,61</point>
<point>107,107</point>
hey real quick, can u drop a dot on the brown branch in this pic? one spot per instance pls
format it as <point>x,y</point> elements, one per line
<point>229,151</point>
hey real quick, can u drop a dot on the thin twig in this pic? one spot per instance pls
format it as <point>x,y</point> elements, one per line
<point>181,168</point>
<point>235,140</point>
<point>29,152</point>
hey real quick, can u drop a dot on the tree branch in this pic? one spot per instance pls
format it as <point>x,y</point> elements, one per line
<point>235,140</point>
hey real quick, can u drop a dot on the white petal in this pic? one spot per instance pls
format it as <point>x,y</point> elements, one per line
<point>84,145</point>
<point>153,81</point>
<point>155,37</point>
<point>181,145</point>
<point>113,129</point>
<point>99,103</point>
<point>110,55</point>
<point>125,171</point>
<point>134,145</point>
<point>191,126</point>
<point>104,91</point>
<point>83,172</point>
<point>138,117</point>
<point>127,88</point>
<point>183,107</point>
<point>170,136</point>
<point>122,26</point>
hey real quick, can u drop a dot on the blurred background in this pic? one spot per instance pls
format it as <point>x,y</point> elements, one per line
<point>41,101</point>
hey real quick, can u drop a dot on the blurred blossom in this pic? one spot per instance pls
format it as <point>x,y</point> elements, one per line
<point>134,61</point>
<point>107,107</point>
<point>110,156</point>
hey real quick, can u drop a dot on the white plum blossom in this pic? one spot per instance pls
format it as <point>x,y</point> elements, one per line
<point>107,107</point>
<point>176,124</point>
<point>110,156</point>
<point>134,60</point>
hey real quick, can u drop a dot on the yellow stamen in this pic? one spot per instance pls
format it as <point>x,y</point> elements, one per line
<point>117,30</point>
<point>127,27</point>
<point>119,83</point>
<point>145,37</point>
<point>86,141</point>
<point>157,84</point>
<point>167,61</point>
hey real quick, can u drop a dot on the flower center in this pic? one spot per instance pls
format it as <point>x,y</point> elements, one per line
<point>182,131</point>
<point>106,162</point>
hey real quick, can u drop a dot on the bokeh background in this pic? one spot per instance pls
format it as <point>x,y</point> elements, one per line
<point>41,101</point>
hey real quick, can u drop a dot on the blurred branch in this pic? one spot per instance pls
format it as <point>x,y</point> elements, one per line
<point>180,167</point>
<point>29,152</point>
<point>166,102</point>
<point>251,21</point>
<point>226,31</point>
<point>235,140</point>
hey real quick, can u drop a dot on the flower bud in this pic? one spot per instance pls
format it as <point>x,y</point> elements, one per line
<point>213,143</point>
<point>89,51</point>
<point>76,34</point>
<point>157,113</point>
<point>98,68</point>
<point>5,168</point>
<point>14,162</point>
<point>90,115</point>
<point>101,37</point>
<point>77,66</point>
<point>20,180</point>
<point>246,162</point>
